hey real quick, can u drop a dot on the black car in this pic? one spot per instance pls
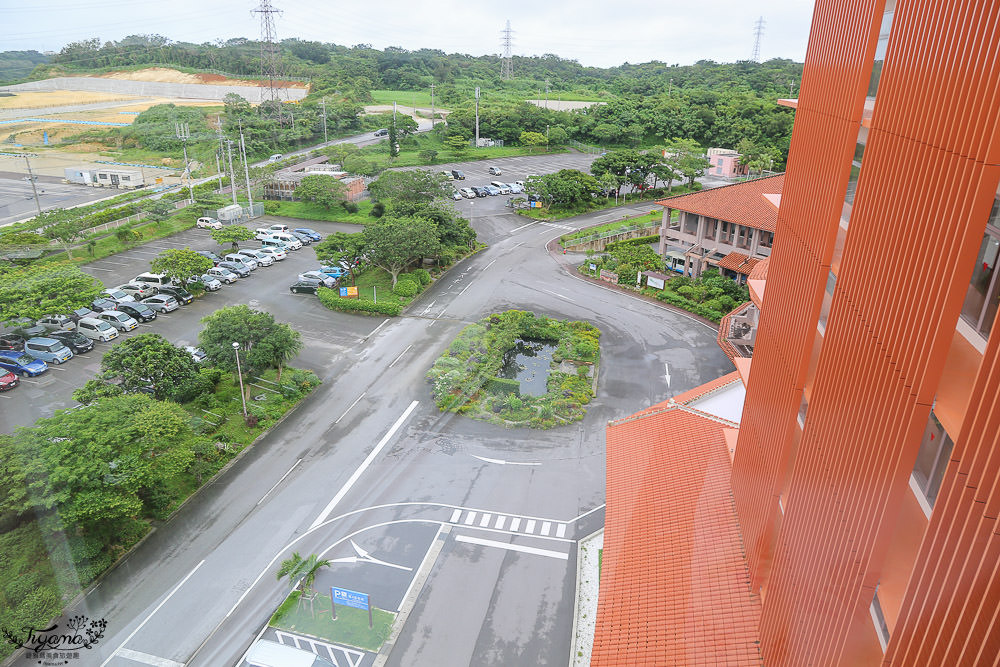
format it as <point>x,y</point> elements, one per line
<point>480,191</point>
<point>211,255</point>
<point>12,342</point>
<point>238,269</point>
<point>305,238</point>
<point>304,286</point>
<point>75,341</point>
<point>101,304</point>
<point>382,132</point>
<point>457,175</point>
<point>81,313</point>
<point>182,295</point>
<point>140,312</point>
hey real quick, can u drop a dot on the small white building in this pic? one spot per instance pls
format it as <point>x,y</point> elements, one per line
<point>117,178</point>
<point>79,175</point>
<point>230,213</point>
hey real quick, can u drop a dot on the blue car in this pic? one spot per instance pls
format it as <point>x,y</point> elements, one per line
<point>332,271</point>
<point>311,233</point>
<point>21,363</point>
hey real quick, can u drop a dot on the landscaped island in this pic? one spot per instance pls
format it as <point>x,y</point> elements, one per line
<point>519,369</point>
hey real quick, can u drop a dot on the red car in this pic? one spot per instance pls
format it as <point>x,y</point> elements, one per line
<point>7,381</point>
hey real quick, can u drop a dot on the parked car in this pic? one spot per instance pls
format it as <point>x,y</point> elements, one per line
<point>239,269</point>
<point>74,340</point>
<point>117,295</point>
<point>328,281</point>
<point>12,342</point>
<point>246,262</point>
<point>97,305</point>
<point>118,319</point>
<point>457,175</point>
<point>7,380</point>
<point>382,132</point>
<point>304,286</point>
<point>223,275</point>
<point>495,171</point>
<point>152,279</point>
<point>96,329</point>
<point>140,312</point>
<point>208,282</point>
<point>502,187</point>
<point>287,239</point>
<point>311,233</point>
<point>480,191</point>
<point>162,303</point>
<point>262,258</point>
<point>57,323</point>
<point>138,291</point>
<point>515,188</point>
<point>491,190</point>
<point>28,329</point>
<point>21,363</point>
<point>261,233</point>
<point>208,223</point>
<point>182,295</point>
<point>456,195</point>
<point>211,255</point>
<point>48,350</point>
<point>520,184</point>
<point>305,239</point>
<point>277,253</point>
<point>468,193</point>
<point>333,271</point>
<point>81,313</point>
<point>278,228</point>
<point>197,354</point>
<point>275,157</point>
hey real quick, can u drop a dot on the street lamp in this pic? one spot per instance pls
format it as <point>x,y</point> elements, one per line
<point>239,372</point>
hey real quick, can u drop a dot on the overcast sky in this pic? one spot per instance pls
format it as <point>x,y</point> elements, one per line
<point>600,34</point>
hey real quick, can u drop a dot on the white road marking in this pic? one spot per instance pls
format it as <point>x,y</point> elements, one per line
<point>426,556</point>
<point>400,355</point>
<point>515,523</point>
<point>429,306</point>
<point>523,226</point>
<point>376,328</point>
<point>530,526</point>
<point>561,530</point>
<point>666,370</point>
<point>351,406</point>
<point>364,466</point>
<point>561,296</point>
<point>455,516</point>
<point>470,518</point>
<point>512,547</point>
<point>491,263</point>
<point>546,527</point>
<point>169,595</point>
<point>500,522</point>
<point>466,287</point>
<point>145,658</point>
<point>486,520</point>
<point>279,481</point>
<point>97,268</point>
<point>506,463</point>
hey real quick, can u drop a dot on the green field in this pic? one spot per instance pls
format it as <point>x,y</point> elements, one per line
<point>409,98</point>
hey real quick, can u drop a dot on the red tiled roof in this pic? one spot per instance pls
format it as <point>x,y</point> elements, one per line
<point>759,272</point>
<point>741,203</point>
<point>674,588</point>
<point>738,262</point>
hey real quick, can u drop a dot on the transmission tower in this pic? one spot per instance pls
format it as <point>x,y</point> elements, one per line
<point>269,57</point>
<point>507,41</point>
<point>758,32</point>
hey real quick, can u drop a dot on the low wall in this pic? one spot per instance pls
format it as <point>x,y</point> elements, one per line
<point>600,244</point>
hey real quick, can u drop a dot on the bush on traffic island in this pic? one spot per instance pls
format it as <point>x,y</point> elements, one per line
<point>405,288</point>
<point>332,300</point>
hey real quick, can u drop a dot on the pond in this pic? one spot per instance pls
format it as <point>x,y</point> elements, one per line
<point>528,362</point>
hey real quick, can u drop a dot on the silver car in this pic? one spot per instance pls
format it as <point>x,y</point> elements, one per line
<point>211,284</point>
<point>161,303</point>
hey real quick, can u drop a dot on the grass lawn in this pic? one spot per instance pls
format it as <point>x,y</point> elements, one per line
<point>653,218</point>
<point>375,284</point>
<point>110,245</point>
<point>351,626</point>
<point>409,155</point>
<point>310,211</point>
<point>409,98</point>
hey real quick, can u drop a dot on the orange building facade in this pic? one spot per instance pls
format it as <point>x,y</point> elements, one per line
<point>865,470</point>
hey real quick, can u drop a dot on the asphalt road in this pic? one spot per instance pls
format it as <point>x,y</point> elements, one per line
<point>482,520</point>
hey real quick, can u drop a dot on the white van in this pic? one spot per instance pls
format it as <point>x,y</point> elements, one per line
<point>96,329</point>
<point>280,228</point>
<point>287,239</point>
<point>274,243</point>
<point>267,653</point>
<point>154,279</point>
<point>275,157</point>
<point>249,262</point>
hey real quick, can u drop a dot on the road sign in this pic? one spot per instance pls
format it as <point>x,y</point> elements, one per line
<point>349,598</point>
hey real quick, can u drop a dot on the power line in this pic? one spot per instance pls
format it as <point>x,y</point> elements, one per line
<point>758,32</point>
<point>505,65</point>
<point>269,57</point>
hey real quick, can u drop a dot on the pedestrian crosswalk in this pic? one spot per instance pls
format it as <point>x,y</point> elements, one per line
<point>508,523</point>
<point>555,226</point>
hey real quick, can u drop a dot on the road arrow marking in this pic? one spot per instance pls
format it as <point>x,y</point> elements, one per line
<point>666,369</point>
<point>507,463</point>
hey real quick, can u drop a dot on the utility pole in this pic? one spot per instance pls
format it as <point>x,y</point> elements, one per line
<point>394,112</point>
<point>218,169</point>
<point>246,169</point>
<point>232,175</point>
<point>477,117</point>
<point>670,88</point>
<point>323,104</point>
<point>183,133</point>
<point>432,105</point>
<point>31,179</point>
<point>546,93</point>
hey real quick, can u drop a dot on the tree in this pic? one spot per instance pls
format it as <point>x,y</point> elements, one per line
<point>321,189</point>
<point>687,157</point>
<point>150,361</point>
<point>263,343</point>
<point>342,247</point>
<point>35,292</point>
<point>416,186</point>
<point>393,140</point>
<point>301,573</point>
<point>457,143</point>
<point>428,155</point>
<point>180,263</point>
<point>157,209</point>
<point>231,234</point>
<point>558,136</point>
<point>394,243</point>
<point>533,139</point>
<point>609,183</point>
<point>65,232</point>
<point>566,187</point>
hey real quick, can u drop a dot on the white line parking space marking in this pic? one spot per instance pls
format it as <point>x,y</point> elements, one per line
<point>546,527</point>
<point>169,595</point>
<point>512,547</point>
<point>470,518</point>
<point>486,520</point>
<point>147,659</point>
<point>364,465</point>
<point>455,515</point>
<point>530,526</point>
<point>97,268</point>
<point>351,406</point>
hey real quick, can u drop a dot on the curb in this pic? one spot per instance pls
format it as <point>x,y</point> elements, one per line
<point>576,597</point>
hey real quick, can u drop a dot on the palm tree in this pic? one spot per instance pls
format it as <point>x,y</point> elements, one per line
<point>301,573</point>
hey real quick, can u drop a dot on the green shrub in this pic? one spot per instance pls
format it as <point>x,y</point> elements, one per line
<point>639,240</point>
<point>350,206</point>
<point>502,386</point>
<point>514,403</point>
<point>332,300</point>
<point>272,207</point>
<point>378,210</point>
<point>405,288</point>
<point>422,275</point>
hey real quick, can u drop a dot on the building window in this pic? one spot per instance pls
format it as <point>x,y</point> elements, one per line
<point>932,459</point>
<point>824,312</point>
<point>126,178</point>
<point>983,294</point>
<point>878,618</point>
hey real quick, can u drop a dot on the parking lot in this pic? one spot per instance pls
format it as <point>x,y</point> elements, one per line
<point>326,335</point>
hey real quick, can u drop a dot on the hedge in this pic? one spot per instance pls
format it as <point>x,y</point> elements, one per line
<point>502,386</point>
<point>690,306</point>
<point>422,276</point>
<point>332,300</point>
<point>639,240</point>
